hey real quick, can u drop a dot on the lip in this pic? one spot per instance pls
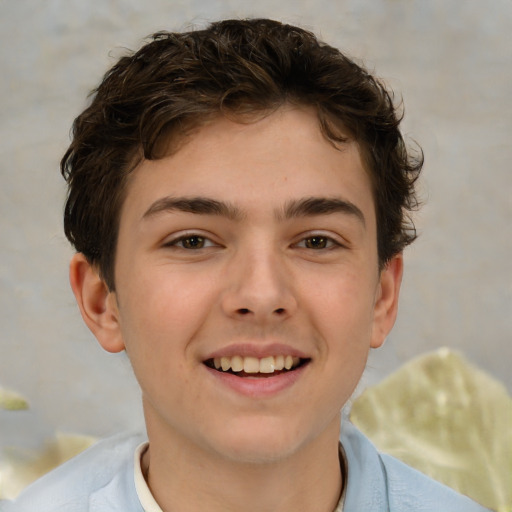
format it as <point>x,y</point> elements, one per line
<point>257,350</point>
<point>258,387</point>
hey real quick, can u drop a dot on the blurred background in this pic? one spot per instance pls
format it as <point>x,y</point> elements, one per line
<point>450,60</point>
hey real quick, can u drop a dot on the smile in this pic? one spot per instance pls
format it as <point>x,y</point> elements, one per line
<point>253,365</point>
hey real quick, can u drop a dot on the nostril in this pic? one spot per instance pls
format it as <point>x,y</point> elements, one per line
<point>279,311</point>
<point>244,311</point>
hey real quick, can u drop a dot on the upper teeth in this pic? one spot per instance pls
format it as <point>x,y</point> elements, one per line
<point>255,365</point>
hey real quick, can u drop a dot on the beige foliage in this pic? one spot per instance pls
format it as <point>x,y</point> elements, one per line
<point>20,467</point>
<point>448,419</point>
<point>11,400</point>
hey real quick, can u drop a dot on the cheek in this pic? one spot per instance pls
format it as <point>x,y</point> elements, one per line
<point>164,311</point>
<point>343,316</point>
<point>345,303</point>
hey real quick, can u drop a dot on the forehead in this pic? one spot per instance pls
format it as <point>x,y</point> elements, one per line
<point>277,158</point>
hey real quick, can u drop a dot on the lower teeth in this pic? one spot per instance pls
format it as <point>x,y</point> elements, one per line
<point>245,374</point>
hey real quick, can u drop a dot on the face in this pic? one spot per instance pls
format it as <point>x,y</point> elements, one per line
<point>247,286</point>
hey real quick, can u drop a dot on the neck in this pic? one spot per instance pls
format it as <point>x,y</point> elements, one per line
<point>185,477</point>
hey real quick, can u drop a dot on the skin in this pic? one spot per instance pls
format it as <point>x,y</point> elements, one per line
<point>256,277</point>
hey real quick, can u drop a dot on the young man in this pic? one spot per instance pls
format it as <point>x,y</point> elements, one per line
<point>238,200</point>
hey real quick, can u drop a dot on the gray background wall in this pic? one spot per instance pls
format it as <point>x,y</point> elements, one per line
<point>450,59</point>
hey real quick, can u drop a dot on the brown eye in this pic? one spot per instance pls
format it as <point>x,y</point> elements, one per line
<point>190,242</point>
<point>316,242</point>
<point>193,242</point>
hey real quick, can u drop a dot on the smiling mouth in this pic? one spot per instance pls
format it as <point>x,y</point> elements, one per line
<point>256,367</point>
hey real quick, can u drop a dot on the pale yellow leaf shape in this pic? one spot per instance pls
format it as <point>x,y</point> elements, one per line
<point>12,401</point>
<point>21,467</point>
<point>448,419</point>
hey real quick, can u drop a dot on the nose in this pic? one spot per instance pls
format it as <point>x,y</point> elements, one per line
<point>259,287</point>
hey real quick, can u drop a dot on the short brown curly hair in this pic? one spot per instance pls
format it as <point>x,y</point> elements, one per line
<point>237,68</point>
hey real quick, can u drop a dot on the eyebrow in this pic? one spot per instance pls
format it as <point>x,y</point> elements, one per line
<point>312,206</point>
<point>197,205</point>
<point>307,207</point>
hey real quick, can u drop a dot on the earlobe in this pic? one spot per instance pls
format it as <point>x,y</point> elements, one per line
<point>98,305</point>
<point>386,305</point>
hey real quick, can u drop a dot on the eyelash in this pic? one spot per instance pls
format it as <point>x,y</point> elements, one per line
<point>202,242</point>
<point>182,239</point>
<point>330,243</point>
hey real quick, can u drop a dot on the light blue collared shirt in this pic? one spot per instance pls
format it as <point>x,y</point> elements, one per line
<point>101,479</point>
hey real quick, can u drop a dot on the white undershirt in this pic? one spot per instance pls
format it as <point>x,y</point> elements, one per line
<point>146,498</point>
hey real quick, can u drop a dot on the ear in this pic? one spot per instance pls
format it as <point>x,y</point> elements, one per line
<point>97,303</point>
<point>386,304</point>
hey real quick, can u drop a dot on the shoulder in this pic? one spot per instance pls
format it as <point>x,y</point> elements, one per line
<point>410,488</point>
<point>380,482</point>
<point>100,475</point>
